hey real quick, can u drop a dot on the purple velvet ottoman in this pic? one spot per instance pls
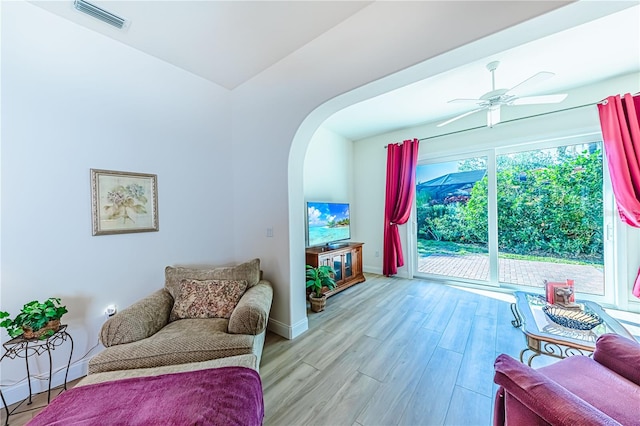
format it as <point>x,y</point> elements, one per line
<point>222,396</point>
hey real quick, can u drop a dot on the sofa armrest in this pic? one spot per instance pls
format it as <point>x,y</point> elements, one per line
<point>252,312</point>
<point>544,397</point>
<point>619,354</point>
<point>139,321</point>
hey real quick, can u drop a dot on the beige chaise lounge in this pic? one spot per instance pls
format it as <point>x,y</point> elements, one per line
<point>145,335</point>
<point>224,391</point>
<point>248,361</point>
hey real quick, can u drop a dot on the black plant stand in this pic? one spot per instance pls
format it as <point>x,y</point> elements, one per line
<point>20,347</point>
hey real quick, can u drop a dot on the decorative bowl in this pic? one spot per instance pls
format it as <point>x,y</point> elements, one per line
<point>571,318</point>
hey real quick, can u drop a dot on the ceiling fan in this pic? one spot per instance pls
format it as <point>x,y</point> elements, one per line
<point>493,100</point>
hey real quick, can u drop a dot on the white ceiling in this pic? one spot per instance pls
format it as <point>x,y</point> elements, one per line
<point>226,42</point>
<point>586,54</point>
<point>229,42</point>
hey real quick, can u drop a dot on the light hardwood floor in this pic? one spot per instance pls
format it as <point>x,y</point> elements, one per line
<point>391,351</point>
<point>24,412</point>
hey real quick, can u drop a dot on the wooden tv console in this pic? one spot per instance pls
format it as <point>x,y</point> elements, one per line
<point>346,261</point>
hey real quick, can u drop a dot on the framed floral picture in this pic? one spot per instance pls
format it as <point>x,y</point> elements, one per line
<point>123,202</point>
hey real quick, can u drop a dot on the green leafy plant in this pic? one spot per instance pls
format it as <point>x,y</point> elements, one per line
<point>34,315</point>
<point>550,205</point>
<point>318,277</point>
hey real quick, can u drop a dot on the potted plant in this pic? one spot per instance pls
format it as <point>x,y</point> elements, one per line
<point>35,320</point>
<point>317,278</point>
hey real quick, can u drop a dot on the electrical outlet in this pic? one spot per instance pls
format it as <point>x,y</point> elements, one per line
<point>111,310</point>
<point>269,232</point>
<point>377,253</point>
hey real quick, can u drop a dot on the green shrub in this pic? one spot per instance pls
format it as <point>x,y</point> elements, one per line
<point>545,207</point>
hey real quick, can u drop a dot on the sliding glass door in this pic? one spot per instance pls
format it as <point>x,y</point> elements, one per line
<point>516,217</point>
<point>550,217</point>
<point>452,232</point>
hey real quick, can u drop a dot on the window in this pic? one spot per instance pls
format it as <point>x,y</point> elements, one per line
<point>515,217</point>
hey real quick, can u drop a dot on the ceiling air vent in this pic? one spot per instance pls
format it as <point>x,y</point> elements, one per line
<point>99,13</point>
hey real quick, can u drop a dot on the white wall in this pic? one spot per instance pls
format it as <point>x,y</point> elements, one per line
<point>276,113</point>
<point>74,100</point>
<point>328,168</point>
<point>370,172</point>
<point>370,160</point>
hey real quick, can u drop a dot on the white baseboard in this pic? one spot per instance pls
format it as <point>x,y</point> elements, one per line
<point>405,274</point>
<point>287,331</point>
<point>372,269</point>
<point>376,270</point>
<point>300,327</point>
<point>19,391</point>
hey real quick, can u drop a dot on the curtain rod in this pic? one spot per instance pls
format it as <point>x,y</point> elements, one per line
<point>507,121</point>
<point>604,102</point>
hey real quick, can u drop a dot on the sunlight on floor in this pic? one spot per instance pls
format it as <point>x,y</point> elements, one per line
<point>505,297</point>
<point>630,320</point>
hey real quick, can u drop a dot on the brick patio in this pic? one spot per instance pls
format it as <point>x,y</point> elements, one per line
<point>588,279</point>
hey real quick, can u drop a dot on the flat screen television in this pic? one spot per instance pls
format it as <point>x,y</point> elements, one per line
<point>327,223</point>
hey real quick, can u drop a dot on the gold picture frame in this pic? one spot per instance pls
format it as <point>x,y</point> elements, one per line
<point>123,202</point>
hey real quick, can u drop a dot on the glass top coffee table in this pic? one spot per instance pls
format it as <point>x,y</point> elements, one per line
<point>545,337</point>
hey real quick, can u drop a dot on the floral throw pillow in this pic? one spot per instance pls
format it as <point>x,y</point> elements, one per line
<point>207,299</point>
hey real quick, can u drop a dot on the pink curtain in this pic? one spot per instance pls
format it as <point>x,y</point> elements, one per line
<point>401,177</point>
<point>621,134</point>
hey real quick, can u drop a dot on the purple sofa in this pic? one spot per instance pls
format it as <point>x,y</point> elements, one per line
<point>578,390</point>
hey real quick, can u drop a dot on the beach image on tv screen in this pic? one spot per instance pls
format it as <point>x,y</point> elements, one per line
<point>327,222</point>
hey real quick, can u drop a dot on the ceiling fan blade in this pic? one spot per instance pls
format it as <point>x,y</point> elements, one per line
<point>530,82</point>
<point>459,117</point>
<point>543,99</point>
<point>465,101</point>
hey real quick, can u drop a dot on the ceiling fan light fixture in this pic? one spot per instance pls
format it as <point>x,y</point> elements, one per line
<point>493,115</point>
<point>495,98</point>
<point>100,14</point>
